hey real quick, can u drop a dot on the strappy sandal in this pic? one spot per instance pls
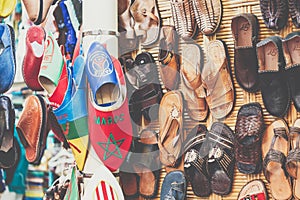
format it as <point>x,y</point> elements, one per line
<point>184,18</point>
<point>220,164</point>
<point>147,20</point>
<point>275,148</point>
<point>171,135</point>
<point>293,158</point>
<point>195,162</point>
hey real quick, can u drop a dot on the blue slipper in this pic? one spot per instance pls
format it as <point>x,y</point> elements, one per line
<point>101,75</point>
<point>174,186</point>
<point>72,115</point>
<point>7,57</point>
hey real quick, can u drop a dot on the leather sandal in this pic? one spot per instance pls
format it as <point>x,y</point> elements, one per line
<point>195,161</point>
<point>146,163</point>
<point>147,21</point>
<point>192,87</point>
<point>38,10</point>
<point>220,163</point>
<point>275,147</point>
<point>293,161</point>
<point>217,81</point>
<point>171,135</point>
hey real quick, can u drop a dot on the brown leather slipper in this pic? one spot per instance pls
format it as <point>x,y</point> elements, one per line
<point>254,189</point>
<point>275,148</point>
<point>147,20</point>
<point>146,163</point>
<point>129,179</point>
<point>171,135</point>
<point>217,81</point>
<point>293,161</point>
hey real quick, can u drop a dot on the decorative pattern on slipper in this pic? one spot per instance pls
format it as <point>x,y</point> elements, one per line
<point>110,130</point>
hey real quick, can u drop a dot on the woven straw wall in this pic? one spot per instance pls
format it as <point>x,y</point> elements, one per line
<point>230,9</point>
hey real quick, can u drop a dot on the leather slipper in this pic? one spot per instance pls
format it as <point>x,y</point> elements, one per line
<point>32,128</point>
<point>174,186</point>
<point>254,189</point>
<point>220,164</point>
<point>110,130</point>
<point>292,163</point>
<point>146,163</point>
<point>37,10</point>
<point>8,144</point>
<point>171,134</point>
<point>72,115</point>
<point>217,81</point>
<point>195,161</point>
<point>147,21</point>
<point>7,57</point>
<point>7,7</point>
<point>275,147</point>
<point>192,88</point>
<point>35,46</point>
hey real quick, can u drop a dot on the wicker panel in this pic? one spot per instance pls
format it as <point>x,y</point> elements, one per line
<point>230,9</point>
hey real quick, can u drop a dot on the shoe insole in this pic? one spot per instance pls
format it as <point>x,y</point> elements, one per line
<point>268,57</point>
<point>48,85</point>
<point>107,95</point>
<point>294,50</point>
<point>244,33</point>
<point>129,183</point>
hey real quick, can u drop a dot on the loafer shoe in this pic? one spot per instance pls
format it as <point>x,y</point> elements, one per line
<point>174,186</point>
<point>244,29</point>
<point>274,13</point>
<point>110,129</point>
<point>274,85</point>
<point>35,45</point>
<point>7,57</point>
<point>169,57</point>
<point>291,48</point>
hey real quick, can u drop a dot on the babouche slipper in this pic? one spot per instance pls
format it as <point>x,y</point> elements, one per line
<point>35,46</point>
<point>72,115</point>
<point>37,10</point>
<point>109,122</point>
<point>254,189</point>
<point>7,7</point>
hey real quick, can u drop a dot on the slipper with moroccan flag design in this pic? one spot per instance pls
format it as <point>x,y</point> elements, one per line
<point>109,122</point>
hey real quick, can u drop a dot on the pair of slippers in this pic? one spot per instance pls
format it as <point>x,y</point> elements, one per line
<point>139,174</point>
<point>209,159</point>
<point>137,19</point>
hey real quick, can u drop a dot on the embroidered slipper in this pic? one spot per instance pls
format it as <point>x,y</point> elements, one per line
<point>109,122</point>
<point>254,189</point>
<point>102,185</point>
<point>7,7</point>
<point>174,186</point>
<point>195,161</point>
<point>8,144</point>
<point>217,81</point>
<point>35,45</point>
<point>146,163</point>
<point>38,10</point>
<point>171,134</point>
<point>293,161</point>
<point>275,147</point>
<point>147,21</point>
<point>7,57</point>
<point>32,128</point>
<point>220,164</point>
<point>72,115</point>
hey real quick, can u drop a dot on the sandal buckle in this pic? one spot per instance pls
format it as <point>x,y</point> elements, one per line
<point>190,156</point>
<point>175,112</point>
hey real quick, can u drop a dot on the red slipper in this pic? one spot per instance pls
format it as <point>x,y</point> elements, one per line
<point>35,45</point>
<point>109,122</point>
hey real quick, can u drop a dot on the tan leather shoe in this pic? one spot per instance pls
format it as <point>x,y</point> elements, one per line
<point>37,10</point>
<point>169,58</point>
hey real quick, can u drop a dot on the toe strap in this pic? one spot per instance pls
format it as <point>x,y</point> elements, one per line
<point>273,156</point>
<point>291,162</point>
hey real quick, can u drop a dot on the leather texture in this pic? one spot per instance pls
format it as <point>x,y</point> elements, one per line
<point>273,80</point>
<point>294,11</point>
<point>35,45</point>
<point>244,29</point>
<point>169,57</point>
<point>274,13</point>
<point>7,57</point>
<point>249,129</point>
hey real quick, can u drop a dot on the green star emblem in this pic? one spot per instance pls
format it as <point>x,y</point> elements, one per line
<point>111,141</point>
